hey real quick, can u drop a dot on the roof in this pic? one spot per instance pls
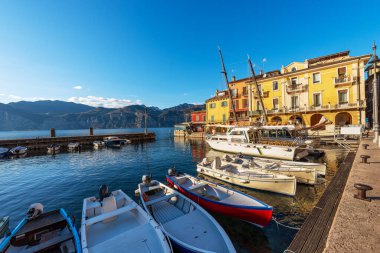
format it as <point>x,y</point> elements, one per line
<point>328,57</point>
<point>217,98</point>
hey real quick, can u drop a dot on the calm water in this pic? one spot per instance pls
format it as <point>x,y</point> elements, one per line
<point>65,179</point>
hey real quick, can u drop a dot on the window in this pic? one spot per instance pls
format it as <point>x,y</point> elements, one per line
<point>197,118</point>
<point>342,72</point>
<point>224,118</point>
<point>343,96</point>
<point>275,104</point>
<point>317,99</point>
<point>316,77</point>
<point>212,118</point>
<point>224,104</point>
<point>204,118</point>
<point>234,93</point>
<point>258,105</point>
<point>245,103</point>
<point>275,85</point>
<point>236,104</point>
<point>294,69</point>
<point>294,81</point>
<point>245,91</point>
<point>294,102</point>
<point>212,105</point>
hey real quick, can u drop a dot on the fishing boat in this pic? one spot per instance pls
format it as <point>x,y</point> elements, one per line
<point>43,232</point>
<point>248,178</point>
<point>3,152</point>
<point>19,150</point>
<point>53,148</point>
<point>220,199</point>
<point>98,144</point>
<point>306,174</point>
<point>113,142</point>
<point>73,146</point>
<point>189,227</point>
<point>4,223</point>
<point>115,223</point>
<point>265,141</point>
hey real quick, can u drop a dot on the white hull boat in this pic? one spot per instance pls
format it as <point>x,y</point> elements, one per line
<point>19,150</point>
<point>98,144</point>
<point>53,149</point>
<point>117,224</point>
<point>303,173</point>
<point>189,227</point>
<point>248,178</point>
<point>73,146</point>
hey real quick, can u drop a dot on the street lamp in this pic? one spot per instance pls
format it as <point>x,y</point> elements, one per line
<point>375,97</point>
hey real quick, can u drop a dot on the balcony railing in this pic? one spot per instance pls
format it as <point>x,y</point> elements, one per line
<point>264,94</point>
<point>343,80</point>
<point>299,87</point>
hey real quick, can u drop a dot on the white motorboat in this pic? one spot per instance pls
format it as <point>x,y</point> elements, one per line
<point>53,149</point>
<point>73,146</point>
<point>115,223</point>
<point>189,227</point>
<point>98,144</point>
<point>248,178</point>
<point>113,142</point>
<point>306,173</point>
<point>265,141</point>
<point>19,150</point>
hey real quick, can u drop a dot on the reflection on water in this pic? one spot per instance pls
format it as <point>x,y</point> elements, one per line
<point>65,179</point>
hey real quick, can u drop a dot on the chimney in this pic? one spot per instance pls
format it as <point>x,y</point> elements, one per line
<point>261,71</point>
<point>233,78</point>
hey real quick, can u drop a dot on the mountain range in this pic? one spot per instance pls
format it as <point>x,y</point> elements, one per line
<point>42,115</point>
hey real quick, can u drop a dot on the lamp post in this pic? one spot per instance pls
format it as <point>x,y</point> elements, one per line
<point>375,98</point>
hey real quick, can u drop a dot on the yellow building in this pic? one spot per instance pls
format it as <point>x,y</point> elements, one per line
<point>217,108</point>
<point>332,86</point>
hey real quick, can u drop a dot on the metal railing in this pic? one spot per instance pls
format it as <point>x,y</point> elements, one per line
<point>343,80</point>
<point>299,87</point>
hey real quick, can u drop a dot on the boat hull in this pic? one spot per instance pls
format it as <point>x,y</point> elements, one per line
<point>282,186</point>
<point>259,216</point>
<point>257,150</point>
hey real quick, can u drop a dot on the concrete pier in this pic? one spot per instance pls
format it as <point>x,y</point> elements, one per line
<point>356,226</point>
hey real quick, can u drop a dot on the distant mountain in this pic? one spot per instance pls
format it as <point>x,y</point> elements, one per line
<point>42,115</point>
<point>50,107</point>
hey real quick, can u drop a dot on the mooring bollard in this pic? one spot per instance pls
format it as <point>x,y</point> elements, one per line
<point>365,146</point>
<point>52,132</point>
<point>91,131</point>
<point>362,191</point>
<point>364,158</point>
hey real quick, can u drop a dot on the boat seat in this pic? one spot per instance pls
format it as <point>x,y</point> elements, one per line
<point>109,205</point>
<point>111,215</point>
<point>197,186</point>
<point>151,202</point>
<point>49,244</point>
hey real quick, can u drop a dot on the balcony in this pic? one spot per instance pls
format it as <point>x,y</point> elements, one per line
<point>344,81</point>
<point>264,94</point>
<point>295,88</point>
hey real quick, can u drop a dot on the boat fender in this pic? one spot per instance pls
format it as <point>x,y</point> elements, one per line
<point>145,197</point>
<point>103,192</point>
<point>34,211</point>
<point>171,172</point>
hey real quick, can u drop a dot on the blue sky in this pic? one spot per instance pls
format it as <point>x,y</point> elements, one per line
<point>164,53</point>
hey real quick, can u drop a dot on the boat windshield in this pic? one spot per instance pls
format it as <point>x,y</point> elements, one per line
<point>275,133</point>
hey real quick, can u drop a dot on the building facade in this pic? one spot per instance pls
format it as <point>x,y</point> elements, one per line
<point>331,86</point>
<point>217,108</point>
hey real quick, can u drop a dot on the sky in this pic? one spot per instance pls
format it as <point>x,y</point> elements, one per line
<point>164,53</point>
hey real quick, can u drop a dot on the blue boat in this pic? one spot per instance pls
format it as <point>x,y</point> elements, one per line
<point>52,231</point>
<point>3,152</point>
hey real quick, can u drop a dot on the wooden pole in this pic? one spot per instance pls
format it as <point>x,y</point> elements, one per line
<point>52,132</point>
<point>91,131</point>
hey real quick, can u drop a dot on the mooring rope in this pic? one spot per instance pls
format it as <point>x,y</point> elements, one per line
<point>281,224</point>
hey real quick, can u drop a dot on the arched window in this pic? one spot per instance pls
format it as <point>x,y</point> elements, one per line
<point>294,69</point>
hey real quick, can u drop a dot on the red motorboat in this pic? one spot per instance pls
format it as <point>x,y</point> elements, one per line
<point>220,199</point>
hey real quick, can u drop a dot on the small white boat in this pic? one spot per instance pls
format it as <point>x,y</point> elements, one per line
<point>43,232</point>
<point>19,150</point>
<point>113,142</point>
<point>304,174</point>
<point>73,146</point>
<point>3,152</point>
<point>125,141</point>
<point>53,149</point>
<point>248,178</point>
<point>189,227</point>
<point>115,223</point>
<point>98,144</point>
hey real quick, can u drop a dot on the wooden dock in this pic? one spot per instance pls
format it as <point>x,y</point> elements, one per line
<point>313,234</point>
<point>87,140</point>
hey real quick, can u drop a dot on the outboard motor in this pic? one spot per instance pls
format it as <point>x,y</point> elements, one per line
<point>172,172</point>
<point>103,192</point>
<point>227,158</point>
<point>205,161</point>
<point>146,180</point>
<point>34,211</point>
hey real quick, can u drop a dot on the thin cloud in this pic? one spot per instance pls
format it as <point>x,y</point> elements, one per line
<point>104,102</point>
<point>78,87</point>
<point>185,94</point>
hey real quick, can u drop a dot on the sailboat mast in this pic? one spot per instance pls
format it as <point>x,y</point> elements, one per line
<point>257,88</point>
<point>228,87</point>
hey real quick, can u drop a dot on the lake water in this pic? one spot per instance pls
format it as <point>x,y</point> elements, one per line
<point>65,179</point>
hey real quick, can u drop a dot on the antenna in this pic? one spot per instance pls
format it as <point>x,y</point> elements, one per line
<point>224,72</point>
